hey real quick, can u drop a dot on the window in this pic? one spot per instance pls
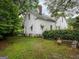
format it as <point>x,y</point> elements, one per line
<point>31,27</point>
<point>59,27</point>
<point>62,19</point>
<point>36,18</point>
<point>29,16</point>
<point>50,27</point>
<point>77,12</point>
<point>42,27</point>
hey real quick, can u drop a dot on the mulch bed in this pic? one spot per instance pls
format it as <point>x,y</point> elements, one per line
<point>3,45</point>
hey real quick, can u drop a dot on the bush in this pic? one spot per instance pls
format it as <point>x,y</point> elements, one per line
<point>63,34</point>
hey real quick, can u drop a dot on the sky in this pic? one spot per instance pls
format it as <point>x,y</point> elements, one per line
<point>44,7</point>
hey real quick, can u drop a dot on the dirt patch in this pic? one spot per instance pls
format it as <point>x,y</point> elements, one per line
<point>3,45</point>
<point>74,53</point>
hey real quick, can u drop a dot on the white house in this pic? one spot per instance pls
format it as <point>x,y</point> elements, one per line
<point>61,23</point>
<point>36,23</point>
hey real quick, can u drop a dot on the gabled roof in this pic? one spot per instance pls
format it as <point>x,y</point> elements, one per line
<point>43,17</point>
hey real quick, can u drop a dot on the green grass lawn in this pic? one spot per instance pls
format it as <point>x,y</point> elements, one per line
<point>37,48</point>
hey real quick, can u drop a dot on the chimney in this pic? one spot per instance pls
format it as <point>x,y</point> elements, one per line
<point>40,9</point>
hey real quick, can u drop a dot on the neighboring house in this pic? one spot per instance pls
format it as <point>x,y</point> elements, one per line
<point>61,23</point>
<point>36,23</point>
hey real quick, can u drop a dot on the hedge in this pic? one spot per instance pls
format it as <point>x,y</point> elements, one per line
<point>63,34</point>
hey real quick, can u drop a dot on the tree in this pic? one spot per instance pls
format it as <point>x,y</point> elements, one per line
<point>9,18</point>
<point>56,6</point>
<point>9,14</point>
<point>76,24</point>
<point>26,6</point>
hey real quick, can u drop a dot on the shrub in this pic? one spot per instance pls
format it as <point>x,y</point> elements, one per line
<point>63,34</point>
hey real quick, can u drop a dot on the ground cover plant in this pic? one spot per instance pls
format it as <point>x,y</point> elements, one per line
<point>37,48</point>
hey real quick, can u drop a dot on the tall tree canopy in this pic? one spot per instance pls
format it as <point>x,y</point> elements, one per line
<point>55,6</point>
<point>26,5</point>
<point>9,14</point>
<point>9,19</point>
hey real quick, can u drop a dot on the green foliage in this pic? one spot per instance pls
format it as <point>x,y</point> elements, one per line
<point>55,6</point>
<point>9,18</point>
<point>26,5</point>
<point>76,23</point>
<point>9,15</point>
<point>36,48</point>
<point>63,34</point>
